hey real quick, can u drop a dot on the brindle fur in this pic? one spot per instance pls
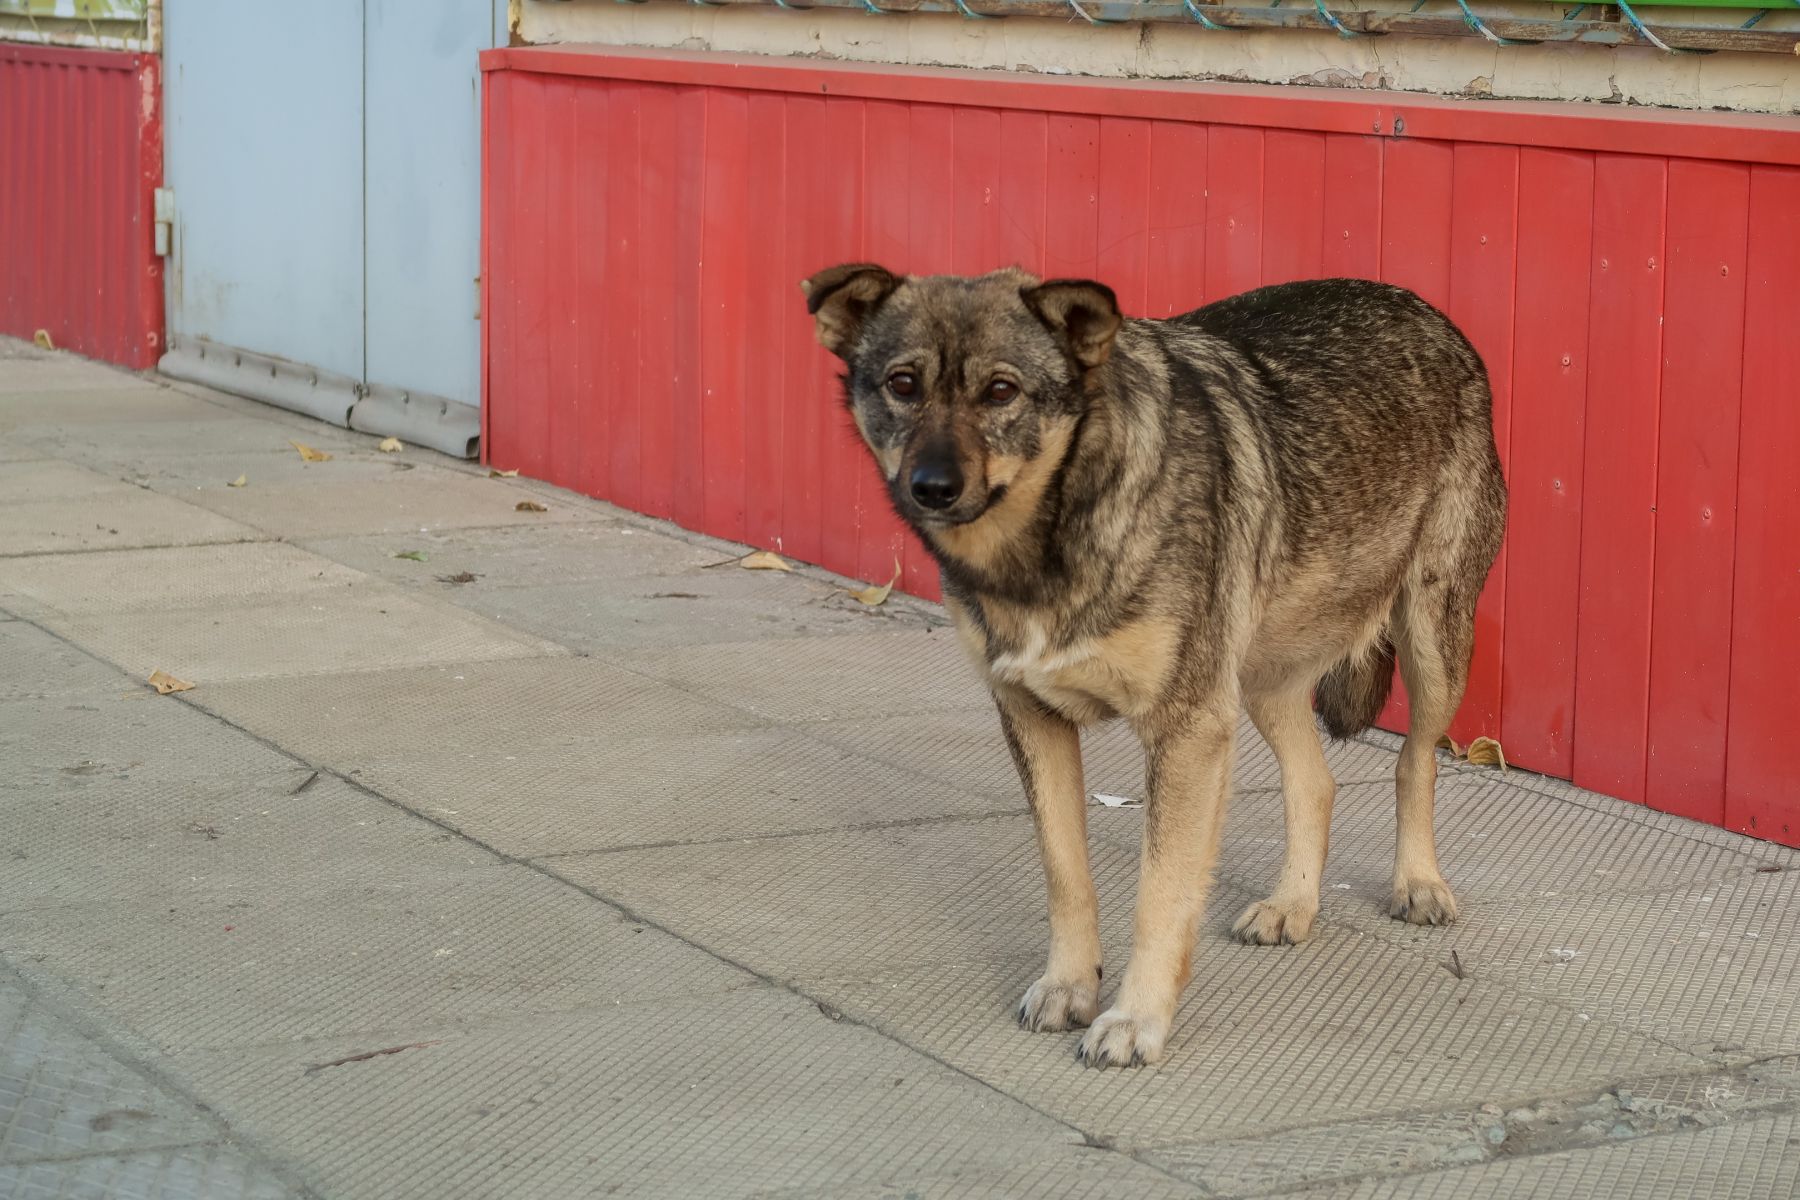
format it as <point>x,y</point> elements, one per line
<point>1260,504</point>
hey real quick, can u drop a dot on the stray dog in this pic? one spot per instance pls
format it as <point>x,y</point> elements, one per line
<point>1262,503</point>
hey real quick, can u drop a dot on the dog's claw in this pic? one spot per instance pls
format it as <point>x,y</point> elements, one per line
<point>1118,1039</point>
<point>1049,1006</point>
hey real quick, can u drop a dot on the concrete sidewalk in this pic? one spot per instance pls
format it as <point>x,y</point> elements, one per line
<point>501,853</point>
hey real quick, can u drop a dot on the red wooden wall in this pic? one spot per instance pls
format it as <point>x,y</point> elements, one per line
<point>80,159</point>
<point>1632,279</point>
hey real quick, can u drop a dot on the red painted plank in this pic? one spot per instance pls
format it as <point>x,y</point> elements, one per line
<point>774,314</point>
<point>1618,508</point>
<point>1024,159</point>
<point>1559,124</point>
<point>724,283</point>
<point>1177,218</point>
<point>1762,772</point>
<point>1351,243</point>
<point>974,191</point>
<point>1293,205</point>
<point>561,346</point>
<point>691,422</point>
<point>622,302</point>
<point>588,237</point>
<point>1071,203</point>
<point>1696,489</point>
<point>1543,571</point>
<point>1234,192</point>
<point>520,438</point>
<point>1415,239</point>
<point>844,462</point>
<point>660,167</point>
<point>1485,193</point>
<point>1121,211</point>
<point>887,239</point>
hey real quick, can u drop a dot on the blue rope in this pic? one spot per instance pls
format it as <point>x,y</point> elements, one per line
<point>1089,19</point>
<point>1208,23</point>
<point>1479,26</point>
<point>965,10</point>
<point>1337,24</point>
<point>1645,32</point>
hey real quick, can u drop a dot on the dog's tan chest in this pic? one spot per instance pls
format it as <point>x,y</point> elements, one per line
<point>1090,679</point>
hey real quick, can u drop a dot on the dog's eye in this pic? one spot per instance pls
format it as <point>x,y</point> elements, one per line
<point>1001,391</point>
<point>903,383</point>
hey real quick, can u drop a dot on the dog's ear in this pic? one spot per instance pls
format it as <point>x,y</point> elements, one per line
<point>1083,313</point>
<point>841,299</point>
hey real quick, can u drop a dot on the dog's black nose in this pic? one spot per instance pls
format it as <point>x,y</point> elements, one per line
<point>936,484</point>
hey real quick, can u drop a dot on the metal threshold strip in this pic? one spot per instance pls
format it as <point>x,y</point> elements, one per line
<point>1630,30</point>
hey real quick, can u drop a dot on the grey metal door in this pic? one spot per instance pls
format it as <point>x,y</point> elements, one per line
<point>324,161</point>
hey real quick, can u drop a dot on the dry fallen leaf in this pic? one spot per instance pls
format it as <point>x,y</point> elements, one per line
<point>390,446</point>
<point>164,683</point>
<point>493,474</point>
<point>459,577</point>
<point>42,338</point>
<point>876,596</point>
<point>1449,743</point>
<point>308,453</point>
<point>529,506</point>
<point>414,555</point>
<point>240,481</point>
<point>1486,752</point>
<point>764,560</point>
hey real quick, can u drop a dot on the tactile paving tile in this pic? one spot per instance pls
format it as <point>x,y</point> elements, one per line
<point>859,902</point>
<point>737,1096</point>
<point>508,706</point>
<point>1706,967</point>
<point>97,839</point>
<point>53,479</point>
<point>1743,1160</point>
<point>30,372</point>
<point>139,737</point>
<point>36,665</point>
<point>272,962</point>
<point>669,611</point>
<point>416,500</point>
<point>877,674</point>
<point>114,521</point>
<point>597,793</point>
<point>369,629</point>
<point>1282,1162</point>
<point>1090,1173</point>
<point>62,1096</point>
<point>214,577</point>
<point>207,1172</point>
<point>598,548</point>
<point>124,445</point>
<point>183,475</point>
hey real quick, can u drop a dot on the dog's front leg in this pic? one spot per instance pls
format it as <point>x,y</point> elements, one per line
<point>1047,750</point>
<point>1189,766</point>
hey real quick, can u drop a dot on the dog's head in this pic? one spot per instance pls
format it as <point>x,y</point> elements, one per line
<point>967,390</point>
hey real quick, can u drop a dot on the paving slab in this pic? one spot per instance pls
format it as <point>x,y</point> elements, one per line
<point>54,479</point>
<point>37,665</point>
<point>190,577</point>
<point>112,520</point>
<point>1750,1160</point>
<point>597,549</point>
<point>598,793</point>
<point>876,674</point>
<point>120,839</point>
<point>252,963</point>
<point>412,501</point>
<point>767,1096</point>
<point>445,711</point>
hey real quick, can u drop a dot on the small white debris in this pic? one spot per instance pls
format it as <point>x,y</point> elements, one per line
<point>1111,801</point>
<point>1583,1017</point>
<point>1340,887</point>
<point>1560,954</point>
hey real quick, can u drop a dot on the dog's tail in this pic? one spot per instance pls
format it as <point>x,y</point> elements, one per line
<point>1353,692</point>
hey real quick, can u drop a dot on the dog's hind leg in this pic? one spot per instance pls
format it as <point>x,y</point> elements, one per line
<point>1285,720</point>
<point>1047,750</point>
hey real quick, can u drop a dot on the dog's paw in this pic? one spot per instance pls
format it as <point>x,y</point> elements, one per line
<point>1120,1039</point>
<point>1052,1005</point>
<point>1267,923</point>
<point>1423,901</point>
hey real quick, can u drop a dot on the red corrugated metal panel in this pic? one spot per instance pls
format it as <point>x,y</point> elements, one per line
<point>80,159</point>
<point>661,329</point>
